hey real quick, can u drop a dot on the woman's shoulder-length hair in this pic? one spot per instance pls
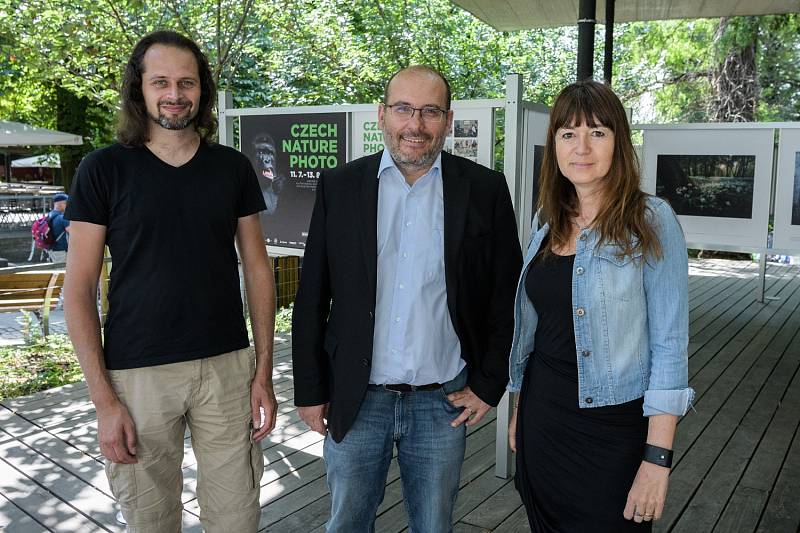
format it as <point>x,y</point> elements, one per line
<point>622,219</point>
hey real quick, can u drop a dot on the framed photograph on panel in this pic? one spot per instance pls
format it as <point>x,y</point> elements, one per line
<point>717,179</point>
<point>787,193</point>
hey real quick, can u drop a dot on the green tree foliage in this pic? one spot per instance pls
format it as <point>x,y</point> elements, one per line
<point>744,68</point>
<point>307,52</point>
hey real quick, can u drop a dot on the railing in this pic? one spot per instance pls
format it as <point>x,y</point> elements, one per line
<point>20,211</point>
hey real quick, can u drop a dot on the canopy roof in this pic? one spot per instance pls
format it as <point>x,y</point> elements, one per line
<point>19,134</point>
<point>508,15</point>
<point>44,161</point>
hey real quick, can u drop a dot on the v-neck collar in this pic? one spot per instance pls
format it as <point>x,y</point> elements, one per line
<point>179,167</point>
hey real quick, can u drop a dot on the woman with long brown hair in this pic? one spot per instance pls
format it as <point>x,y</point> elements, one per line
<point>601,330</point>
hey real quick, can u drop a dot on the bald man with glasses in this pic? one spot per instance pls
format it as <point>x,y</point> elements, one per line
<point>403,321</point>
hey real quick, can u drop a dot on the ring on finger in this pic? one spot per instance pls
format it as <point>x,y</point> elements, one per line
<point>470,411</point>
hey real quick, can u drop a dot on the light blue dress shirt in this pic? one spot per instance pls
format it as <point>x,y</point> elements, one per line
<point>414,340</point>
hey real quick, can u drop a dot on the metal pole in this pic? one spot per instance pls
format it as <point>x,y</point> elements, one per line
<point>608,59</point>
<point>586,22</point>
<point>761,281</point>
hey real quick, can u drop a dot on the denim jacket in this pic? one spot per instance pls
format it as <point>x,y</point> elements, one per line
<point>631,320</point>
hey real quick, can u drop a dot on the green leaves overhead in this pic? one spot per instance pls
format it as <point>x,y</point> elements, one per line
<point>307,52</point>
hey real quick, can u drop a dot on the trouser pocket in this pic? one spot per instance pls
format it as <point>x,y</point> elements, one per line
<point>122,482</point>
<point>256,464</point>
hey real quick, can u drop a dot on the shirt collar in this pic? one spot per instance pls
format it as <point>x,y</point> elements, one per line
<point>387,162</point>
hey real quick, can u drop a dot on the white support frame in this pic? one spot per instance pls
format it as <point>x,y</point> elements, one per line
<point>512,167</point>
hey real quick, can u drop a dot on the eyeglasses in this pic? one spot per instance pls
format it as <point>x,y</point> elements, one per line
<point>428,113</point>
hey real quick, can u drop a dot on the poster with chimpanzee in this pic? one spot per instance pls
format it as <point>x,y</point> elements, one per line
<point>288,153</point>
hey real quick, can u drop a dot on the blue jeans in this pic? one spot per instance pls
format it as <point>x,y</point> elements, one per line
<point>429,454</point>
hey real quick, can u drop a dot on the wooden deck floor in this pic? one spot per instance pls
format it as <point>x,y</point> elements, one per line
<point>737,458</point>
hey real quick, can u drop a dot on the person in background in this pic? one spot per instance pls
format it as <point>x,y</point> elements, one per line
<point>601,330</point>
<point>59,225</point>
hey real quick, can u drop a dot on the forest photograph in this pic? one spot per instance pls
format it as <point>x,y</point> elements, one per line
<point>707,185</point>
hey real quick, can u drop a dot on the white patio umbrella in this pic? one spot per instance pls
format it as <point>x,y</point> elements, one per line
<point>38,161</point>
<point>19,134</point>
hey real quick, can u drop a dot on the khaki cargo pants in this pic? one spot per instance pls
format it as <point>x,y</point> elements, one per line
<point>212,396</point>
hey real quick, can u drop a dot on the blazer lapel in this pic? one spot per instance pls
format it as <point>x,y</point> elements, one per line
<point>368,216</point>
<point>456,197</point>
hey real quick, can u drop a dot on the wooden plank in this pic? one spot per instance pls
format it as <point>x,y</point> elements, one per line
<point>783,509</point>
<point>725,311</point>
<point>709,501</point>
<point>36,501</point>
<point>733,330</point>
<point>717,375</point>
<point>748,501</point>
<point>724,349</point>
<point>41,395</point>
<point>14,519</point>
<point>15,425</point>
<point>730,292</point>
<point>743,511</point>
<point>516,523</point>
<point>23,280</point>
<point>493,511</point>
<point>63,399</point>
<point>712,284</point>
<point>733,294</point>
<point>727,401</point>
<point>461,527</point>
<point>480,489</point>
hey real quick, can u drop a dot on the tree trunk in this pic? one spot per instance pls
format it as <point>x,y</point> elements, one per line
<point>71,118</point>
<point>735,78</point>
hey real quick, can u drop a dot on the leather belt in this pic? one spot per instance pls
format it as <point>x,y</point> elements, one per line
<point>405,387</point>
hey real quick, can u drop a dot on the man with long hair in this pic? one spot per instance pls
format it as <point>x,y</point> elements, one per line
<point>171,205</point>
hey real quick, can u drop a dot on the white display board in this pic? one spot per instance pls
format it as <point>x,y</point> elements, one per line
<point>536,119</point>
<point>472,134</point>
<point>787,193</point>
<point>717,179</point>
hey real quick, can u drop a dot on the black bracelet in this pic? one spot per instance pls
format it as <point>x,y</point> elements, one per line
<point>657,455</point>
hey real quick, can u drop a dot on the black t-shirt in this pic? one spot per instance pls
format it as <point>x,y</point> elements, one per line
<point>174,291</point>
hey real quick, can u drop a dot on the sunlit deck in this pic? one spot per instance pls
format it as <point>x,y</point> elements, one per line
<point>737,458</point>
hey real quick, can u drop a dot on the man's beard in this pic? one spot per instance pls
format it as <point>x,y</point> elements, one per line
<point>424,160</point>
<point>177,123</point>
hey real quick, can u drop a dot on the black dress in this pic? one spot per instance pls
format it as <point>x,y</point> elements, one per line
<point>574,466</point>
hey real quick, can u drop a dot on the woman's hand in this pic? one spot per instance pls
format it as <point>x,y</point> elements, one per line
<point>647,494</point>
<point>512,431</point>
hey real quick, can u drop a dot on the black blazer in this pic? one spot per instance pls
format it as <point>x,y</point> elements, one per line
<point>334,312</point>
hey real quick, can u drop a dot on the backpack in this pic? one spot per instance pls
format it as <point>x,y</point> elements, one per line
<point>42,232</point>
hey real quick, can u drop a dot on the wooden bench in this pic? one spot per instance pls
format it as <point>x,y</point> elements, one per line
<point>36,291</point>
